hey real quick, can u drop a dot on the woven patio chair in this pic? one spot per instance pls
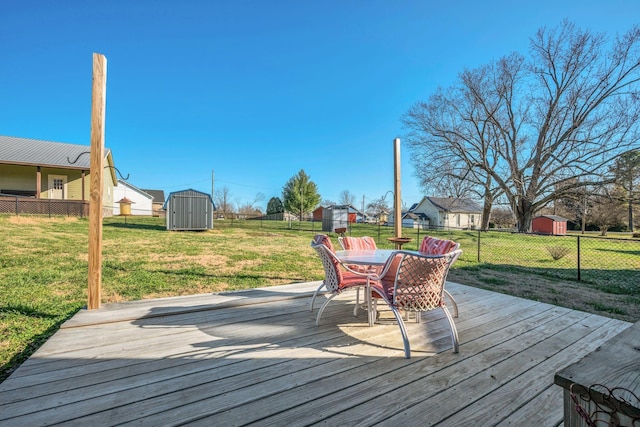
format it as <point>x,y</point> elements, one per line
<point>338,276</point>
<point>434,246</point>
<point>417,285</point>
<point>359,243</point>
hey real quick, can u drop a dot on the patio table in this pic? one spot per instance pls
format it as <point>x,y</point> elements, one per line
<point>365,256</point>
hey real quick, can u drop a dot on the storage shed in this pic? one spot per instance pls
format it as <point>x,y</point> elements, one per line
<point>335,217</point>
<point>549,224</point>
<point>189,210</point>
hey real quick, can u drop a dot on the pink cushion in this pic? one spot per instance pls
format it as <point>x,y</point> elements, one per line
<point>433,246</point>
<point>323,239</point>
<point>358,243</point>
<point>350,279</point>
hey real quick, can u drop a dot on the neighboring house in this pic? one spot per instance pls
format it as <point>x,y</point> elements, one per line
<point>141,201</point>
<point>443,212</point>
<point>52,170</point>
<point>158,201</point>
<point>549,224</point>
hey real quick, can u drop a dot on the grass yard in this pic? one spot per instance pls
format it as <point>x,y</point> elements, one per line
<point>43,269</point>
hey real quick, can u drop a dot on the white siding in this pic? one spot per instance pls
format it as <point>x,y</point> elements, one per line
<point>142,202</point>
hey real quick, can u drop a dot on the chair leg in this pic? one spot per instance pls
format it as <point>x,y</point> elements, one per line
<point>322,309</point>
<point>454,331</point>
<point>315,294</point>
<point>453,303</point>
<point>403,331</point>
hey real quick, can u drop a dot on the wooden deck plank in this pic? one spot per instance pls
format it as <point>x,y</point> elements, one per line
<point>428,376</point>
<point>257,357</point>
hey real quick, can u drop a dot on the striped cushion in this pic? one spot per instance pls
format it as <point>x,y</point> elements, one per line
<point>434,246</point>
<point>358,243</point>
<point>323,239</point>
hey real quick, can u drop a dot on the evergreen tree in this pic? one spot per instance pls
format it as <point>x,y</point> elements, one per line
<point>300,194</point>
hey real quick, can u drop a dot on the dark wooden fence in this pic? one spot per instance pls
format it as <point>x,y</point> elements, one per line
<point>20,205</point>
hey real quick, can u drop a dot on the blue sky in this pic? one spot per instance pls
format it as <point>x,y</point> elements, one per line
<point>257,90</point>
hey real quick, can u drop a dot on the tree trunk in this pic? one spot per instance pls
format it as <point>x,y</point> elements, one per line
<point>525,215</point>
<point>630,213</point>
<point>486,212</point>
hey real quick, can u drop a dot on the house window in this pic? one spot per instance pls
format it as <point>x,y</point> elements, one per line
<point>58,184</point>
<point>458,220</point>
<point>472,219</point>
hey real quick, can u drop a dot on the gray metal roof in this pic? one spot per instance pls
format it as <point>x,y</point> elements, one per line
<point>24,151</point>
<point>450,204</point>
<point>158,195</point>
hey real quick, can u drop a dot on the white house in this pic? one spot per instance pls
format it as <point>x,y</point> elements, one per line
<point>142,203</point>
<point>443,212</point>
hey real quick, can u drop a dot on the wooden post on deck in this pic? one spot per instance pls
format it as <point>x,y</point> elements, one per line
<point>397,203</point>
<point>98,102</point>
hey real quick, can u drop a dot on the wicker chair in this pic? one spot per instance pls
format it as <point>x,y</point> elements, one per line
<point>434,246</point>
<point>336,280</point>
<point>416,285</point>
<point>359,243</point>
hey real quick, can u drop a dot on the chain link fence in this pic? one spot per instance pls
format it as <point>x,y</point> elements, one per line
<point>21,205</point>
<point>608,263</point>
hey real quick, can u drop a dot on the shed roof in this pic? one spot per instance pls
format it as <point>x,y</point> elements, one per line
<point>189,191</point>
<point>553,217</point>
<point>35,152</point>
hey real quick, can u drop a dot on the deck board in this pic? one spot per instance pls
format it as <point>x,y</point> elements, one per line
<point>257,358</point>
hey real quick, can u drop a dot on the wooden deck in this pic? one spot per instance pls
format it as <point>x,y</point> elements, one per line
<point>257,358</point>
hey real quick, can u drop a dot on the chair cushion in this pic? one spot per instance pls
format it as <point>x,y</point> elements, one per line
<point>350,280</point>
<point>323,239</point>
<point>434,246</point>
<point>358,243</point>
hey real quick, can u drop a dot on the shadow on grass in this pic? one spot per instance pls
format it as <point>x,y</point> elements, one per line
<point>135,226</point>
<point>36,341</point>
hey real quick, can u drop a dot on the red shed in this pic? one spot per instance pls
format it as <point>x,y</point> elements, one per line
<point>549,224</point>
<point>317,214</point>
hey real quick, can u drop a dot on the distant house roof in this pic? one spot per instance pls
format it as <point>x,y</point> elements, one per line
<point>133,187</point>
<point>553,217</point>
<point>451,204</point>
<point>158,195</point>
<point>35,152</point>
<point>417,216</point>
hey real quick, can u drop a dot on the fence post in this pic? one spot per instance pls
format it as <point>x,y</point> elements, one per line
<point>17,206</point>
<point>578,241</point>
<point>478,245</point>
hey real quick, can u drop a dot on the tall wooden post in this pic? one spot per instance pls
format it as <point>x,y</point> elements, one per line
<point>98,102</point>
<point>397,204</point>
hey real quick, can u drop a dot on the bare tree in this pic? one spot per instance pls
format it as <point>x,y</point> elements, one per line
<point>626,169</point>
<point>607,212</point>
<point>223,200</point>
<point>377,207</point>
<point>503,218</point>
<point>532,127</point>
<point>346,198</point>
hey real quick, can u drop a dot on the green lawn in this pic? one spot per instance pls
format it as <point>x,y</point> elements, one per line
<point>43,268</point>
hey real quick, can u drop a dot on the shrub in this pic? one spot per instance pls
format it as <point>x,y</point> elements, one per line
<point>558,252</point>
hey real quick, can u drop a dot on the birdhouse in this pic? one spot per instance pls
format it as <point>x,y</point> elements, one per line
<point>125,206</point>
